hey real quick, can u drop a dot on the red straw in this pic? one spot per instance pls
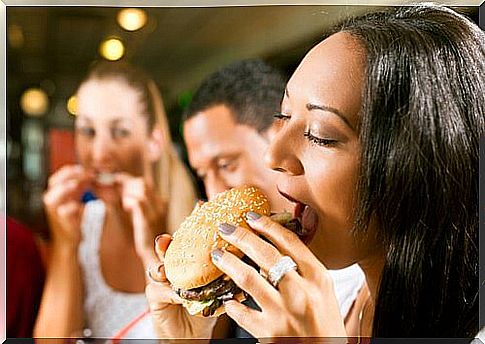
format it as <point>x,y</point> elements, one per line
<point>117,337</point>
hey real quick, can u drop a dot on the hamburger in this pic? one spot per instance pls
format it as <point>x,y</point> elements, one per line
<point>188,265</point>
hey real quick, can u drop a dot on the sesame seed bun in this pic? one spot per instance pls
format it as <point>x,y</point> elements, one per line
<point>188,261</point>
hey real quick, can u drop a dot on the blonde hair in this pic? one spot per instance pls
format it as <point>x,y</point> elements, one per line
<point>175,183</point>
<point>172,178</point>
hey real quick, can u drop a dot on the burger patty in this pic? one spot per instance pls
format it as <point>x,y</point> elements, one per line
<point>222,287</point>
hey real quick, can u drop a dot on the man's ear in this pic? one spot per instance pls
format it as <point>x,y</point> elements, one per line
<point>155,144</point>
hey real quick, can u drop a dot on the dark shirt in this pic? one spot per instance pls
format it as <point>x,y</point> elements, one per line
<point>25,280</point>
<point>239,332</point>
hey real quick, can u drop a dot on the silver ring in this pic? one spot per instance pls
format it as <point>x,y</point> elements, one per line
<point>148,272</point>
<point>280,269</point>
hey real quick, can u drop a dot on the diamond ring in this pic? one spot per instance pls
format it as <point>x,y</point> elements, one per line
<point>280,269</point>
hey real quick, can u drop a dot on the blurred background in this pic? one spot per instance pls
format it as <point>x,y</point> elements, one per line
<point>49,49</point>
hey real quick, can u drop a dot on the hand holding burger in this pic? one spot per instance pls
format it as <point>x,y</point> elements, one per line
<point>188,266</point>
<point>171,320</point>
<point>206,286</point>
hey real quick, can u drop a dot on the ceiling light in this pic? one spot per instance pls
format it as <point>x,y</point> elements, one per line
<point>132,19</point>
<point>15,36</point>
<point>34,102</point>
<point>112,49</point>
<point>72,105</point>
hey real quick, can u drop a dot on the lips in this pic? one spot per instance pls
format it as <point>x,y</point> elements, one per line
<point>104,178</point>
<point>307,216</point>
<point>309,221</point>
<point>299,209</point>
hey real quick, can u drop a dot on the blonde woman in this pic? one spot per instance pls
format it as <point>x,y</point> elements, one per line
<point>101,248</point>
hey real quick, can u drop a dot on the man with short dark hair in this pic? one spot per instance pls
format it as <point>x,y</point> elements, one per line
<point>227,128</point>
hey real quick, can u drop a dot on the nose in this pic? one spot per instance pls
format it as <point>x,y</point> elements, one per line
<point>214,184</point>
<point>282,153</point>
<point>102,149</point>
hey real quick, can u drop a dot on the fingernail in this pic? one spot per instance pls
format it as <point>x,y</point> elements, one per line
<point>252,216</point>
<point>216,255</point>
<point>226,228</point>
<point>158,237</point>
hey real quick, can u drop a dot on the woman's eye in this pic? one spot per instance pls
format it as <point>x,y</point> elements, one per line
<point>119,133</point>
<point>86,131</point>
<point>319,141</point>
<point>281,116</point>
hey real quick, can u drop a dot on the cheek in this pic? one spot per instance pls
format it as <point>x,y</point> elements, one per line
<point>253,170</point>
<point>130,159</point>
<point>240,175</point>
<point>83,150</point>
<point>333,181</point>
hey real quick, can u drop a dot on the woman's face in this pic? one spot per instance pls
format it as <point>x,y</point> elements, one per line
<point>317,147</point>
<point>111,130</point>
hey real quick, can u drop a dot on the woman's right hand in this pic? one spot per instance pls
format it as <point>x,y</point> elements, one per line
<point>62,202</point>
<point>170,318</point>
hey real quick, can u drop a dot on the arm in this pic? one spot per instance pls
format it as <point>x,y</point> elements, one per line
<point>61,311</point>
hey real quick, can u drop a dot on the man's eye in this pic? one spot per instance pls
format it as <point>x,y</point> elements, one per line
<point>226,165</point>
<point>86,131</point>
<point>281,116</point>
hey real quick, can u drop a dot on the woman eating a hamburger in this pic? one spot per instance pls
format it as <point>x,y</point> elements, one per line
<point>378,149</point>
<point>100,248</point>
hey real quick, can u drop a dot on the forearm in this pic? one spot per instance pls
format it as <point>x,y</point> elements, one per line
<point>61,310</point>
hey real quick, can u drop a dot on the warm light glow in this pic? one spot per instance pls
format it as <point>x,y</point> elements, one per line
<point>132,19</point>
<point>34,102</point>
<point>15,36</point>
<point>112,49</point>
<point>72,105</point>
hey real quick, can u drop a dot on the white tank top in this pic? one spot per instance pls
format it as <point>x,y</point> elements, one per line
<point>106,311</point>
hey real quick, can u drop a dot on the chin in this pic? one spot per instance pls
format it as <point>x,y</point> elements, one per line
<point>333,255</point>
<point>107,195</point>
<point>334,262</point>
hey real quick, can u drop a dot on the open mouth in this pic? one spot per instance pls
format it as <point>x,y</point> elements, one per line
<point>306,216</point>
<point>105,178</point>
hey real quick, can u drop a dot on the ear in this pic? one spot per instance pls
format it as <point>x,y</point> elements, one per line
<point>155,144</point>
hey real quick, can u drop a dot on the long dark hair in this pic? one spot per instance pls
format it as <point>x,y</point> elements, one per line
<point>422,116</point>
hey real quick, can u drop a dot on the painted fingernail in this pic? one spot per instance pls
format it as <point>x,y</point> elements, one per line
<point>226,228</point>
<point>216,255</point>
<point>252,216</point>
<point>158,237</point>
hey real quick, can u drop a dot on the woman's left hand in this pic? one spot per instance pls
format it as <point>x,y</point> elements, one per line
<point>147,210</point>
<point>303,304</point>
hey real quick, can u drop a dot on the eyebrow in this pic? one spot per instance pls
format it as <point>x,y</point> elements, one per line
<point>310,107</point>
<point>326,108</point>
<point>119,120</point>
<point>113,121</point>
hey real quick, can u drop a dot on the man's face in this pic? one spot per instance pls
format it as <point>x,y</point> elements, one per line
<point>226,154</point>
